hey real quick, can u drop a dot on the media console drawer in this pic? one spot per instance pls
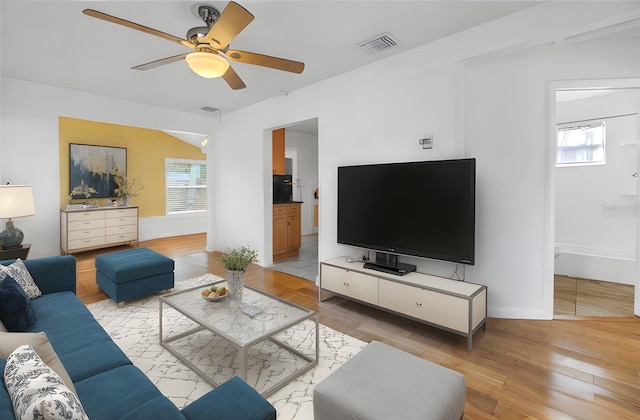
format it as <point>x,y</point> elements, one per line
<point>451,305</point>
<point>350,283</point>
<point>438,308</point>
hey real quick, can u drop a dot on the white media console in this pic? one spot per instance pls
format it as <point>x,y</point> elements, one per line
<point>451,305</point>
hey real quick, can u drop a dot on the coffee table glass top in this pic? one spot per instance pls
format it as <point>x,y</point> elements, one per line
<point>257,316</point>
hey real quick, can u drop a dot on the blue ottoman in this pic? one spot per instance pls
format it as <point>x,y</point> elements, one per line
<point>133,273</point>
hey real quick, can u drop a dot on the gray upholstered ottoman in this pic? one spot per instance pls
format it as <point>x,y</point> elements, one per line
<point>382,382</point>
<point>133,273</point>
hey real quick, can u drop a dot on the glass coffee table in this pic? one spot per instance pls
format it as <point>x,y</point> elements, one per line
<point>257,333</point>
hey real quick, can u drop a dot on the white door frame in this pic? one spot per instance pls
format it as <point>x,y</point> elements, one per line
<point>630,83</point>
<point>292,153</point>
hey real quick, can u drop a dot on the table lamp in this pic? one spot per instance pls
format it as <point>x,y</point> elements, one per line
<point>15,201</point>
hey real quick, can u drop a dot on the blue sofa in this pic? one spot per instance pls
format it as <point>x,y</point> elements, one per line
<point>107,383</point>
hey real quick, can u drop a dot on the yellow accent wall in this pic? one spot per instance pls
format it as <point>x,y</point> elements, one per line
<point>146,153</point>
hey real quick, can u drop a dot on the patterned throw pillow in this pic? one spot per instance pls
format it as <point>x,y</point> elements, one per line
<point>19,272</point>
<point>36,391</point>
<point>10,341</point>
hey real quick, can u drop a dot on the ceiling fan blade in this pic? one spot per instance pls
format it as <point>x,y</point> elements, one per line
<point>265,61</point>
<point>233,19</point>
<point>138,27</point>
<point>233,80</point>
<point>161,62</point>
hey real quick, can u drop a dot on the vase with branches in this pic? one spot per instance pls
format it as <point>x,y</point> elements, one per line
<point>126,188</point>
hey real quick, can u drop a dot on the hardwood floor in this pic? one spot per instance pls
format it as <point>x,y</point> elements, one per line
<point>586,368</point>
<point>582,297</point>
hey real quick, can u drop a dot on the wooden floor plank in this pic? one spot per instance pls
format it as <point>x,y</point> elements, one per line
<point>587,367</point>
<point>584,297</point>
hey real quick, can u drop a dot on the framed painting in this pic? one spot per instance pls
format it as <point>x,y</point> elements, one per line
<point>93,166</point>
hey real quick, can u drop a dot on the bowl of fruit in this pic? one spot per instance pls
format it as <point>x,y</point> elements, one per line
<point>215,293</point>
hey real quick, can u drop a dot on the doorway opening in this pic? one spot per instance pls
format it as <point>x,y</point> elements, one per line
<point>301,162</point>
<point>594,217</point>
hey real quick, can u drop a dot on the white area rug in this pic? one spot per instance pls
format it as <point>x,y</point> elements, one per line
<point>134,328</point>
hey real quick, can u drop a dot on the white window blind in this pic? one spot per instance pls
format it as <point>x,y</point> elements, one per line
<point>581,145</point>
<point>186,182</point>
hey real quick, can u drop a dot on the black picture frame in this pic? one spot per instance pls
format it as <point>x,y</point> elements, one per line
<point>94,165</point>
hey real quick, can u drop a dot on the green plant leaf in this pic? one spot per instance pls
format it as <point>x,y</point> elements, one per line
<point>237,259</point>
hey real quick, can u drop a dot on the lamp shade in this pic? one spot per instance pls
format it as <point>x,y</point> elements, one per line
<point>207,64</point>
<point>16,201</point>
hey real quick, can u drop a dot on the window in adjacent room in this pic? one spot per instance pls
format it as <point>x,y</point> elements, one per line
<point>581,145</point>
<point>186,185</point>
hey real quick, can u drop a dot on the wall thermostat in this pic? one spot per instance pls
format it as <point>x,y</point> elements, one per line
<point>427,142</point>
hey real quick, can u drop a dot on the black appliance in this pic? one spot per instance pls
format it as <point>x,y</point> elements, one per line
<point>282,188</point>
<point>424,209</point>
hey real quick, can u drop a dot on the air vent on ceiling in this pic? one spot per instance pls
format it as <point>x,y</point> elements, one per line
<point>209,108</point>
<point>379,43</point>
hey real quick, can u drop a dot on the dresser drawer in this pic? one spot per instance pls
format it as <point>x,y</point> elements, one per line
<point>86,243</point>
<point>115,213</point>
<point>76,216</point>
<point>75,235</point>
<point>120,221</point>
<point>86,224</point>
<point>122,237</point>
<point>116,230</point>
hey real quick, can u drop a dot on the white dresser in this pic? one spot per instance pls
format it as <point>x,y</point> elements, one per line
<point>85,229</point>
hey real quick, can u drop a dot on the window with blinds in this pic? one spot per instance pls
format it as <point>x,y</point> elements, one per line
<point>186,182</point>
<point>583,145</point>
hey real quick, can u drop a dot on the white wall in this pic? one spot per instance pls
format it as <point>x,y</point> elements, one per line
<point>507,129</point>
<point>596,212</point>
<point>493,108</point>
<point>30,149</point>
<point>347,134</point>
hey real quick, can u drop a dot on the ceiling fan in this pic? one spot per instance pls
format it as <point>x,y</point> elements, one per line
<point>210,43</point>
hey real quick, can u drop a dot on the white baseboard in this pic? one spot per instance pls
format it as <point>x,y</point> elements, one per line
<point>592,251</point>
<point>172,225</point>
<point>516,313</point>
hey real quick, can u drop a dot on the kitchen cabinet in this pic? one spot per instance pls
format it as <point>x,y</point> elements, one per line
<point>278,151</point>
<point>280,237</point>
<point>287,228</point>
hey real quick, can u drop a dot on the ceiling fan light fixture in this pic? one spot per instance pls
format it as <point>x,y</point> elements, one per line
<point>207,64</point>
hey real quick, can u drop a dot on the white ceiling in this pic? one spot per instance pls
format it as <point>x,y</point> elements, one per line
<point>53,43</point>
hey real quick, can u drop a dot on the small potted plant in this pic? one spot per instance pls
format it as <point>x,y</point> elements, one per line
<point>236,261</point>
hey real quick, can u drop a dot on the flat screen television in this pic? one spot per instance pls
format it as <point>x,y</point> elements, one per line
<point>423,209</point>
